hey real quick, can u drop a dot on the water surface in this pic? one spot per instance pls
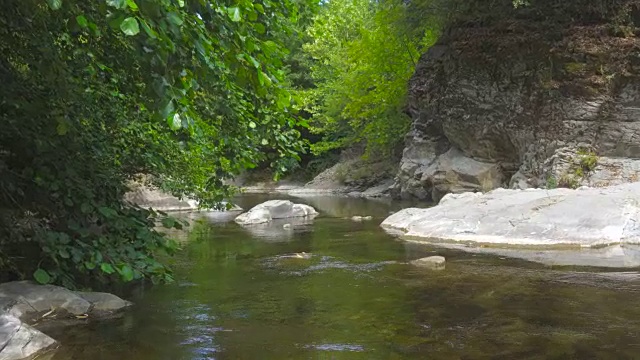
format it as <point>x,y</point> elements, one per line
<point>338,289</point>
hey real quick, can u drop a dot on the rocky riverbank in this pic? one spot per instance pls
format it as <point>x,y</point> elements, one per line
<point>26,307</point>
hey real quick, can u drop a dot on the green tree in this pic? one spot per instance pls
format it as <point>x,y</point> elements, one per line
<point>96,93</point>
<point>363,56</point>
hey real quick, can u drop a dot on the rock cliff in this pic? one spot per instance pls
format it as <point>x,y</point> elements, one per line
<point>545,95</point>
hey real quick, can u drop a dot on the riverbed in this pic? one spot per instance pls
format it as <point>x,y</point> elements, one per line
<point>338,289</point>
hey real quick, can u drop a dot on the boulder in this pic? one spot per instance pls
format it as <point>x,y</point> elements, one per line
<point>24,301</point>
<point>583,218</point>
<point>431,262</point>
<point>104,302</point>
<point>275,209</point>
<point>20,341</point>
<point>33,298</point>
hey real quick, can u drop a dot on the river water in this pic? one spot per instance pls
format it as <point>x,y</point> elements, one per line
<point>243,293</point>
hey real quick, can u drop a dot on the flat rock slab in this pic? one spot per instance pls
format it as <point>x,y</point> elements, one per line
<point>31,298</point>
<point>275,209</point>
<point>539,218</point>
<point>24,300</point>
<point>19,340</point>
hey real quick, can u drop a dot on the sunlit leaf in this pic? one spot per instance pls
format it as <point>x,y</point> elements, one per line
<point>132,5</point>
<point>107,268</point>
<point>54,4</point>
<point>234,13</point>
<point>82,21</point>
<point>118,4</point>
<point>129,26</point>
<point>175,122</point>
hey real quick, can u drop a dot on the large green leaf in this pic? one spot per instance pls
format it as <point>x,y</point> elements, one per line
<point>126,272</point>
<point>42,276</point>
<point>175,122</point>
<point>234,14</point>
<point>129,26</point>
<point>82,21</point>
<point>54,4</point>
<point>132,5</point>
<point>107,268</point>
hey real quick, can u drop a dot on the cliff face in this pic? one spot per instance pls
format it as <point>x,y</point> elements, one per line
<point>542,96</point>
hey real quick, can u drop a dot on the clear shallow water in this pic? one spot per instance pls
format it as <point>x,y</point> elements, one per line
<point>244,294</point>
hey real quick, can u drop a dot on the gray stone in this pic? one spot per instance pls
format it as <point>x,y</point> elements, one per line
<point>585,218</point>
<point>32,298</point>
<point>104,301</point>
<point>24,300</point>
<point>20,341</point>
<point>431,262</point>
<point>149,197</point>
<point>275,209</point>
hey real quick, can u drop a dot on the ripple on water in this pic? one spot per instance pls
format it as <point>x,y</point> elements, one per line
<point>294,264</point>
<point>336,347</point>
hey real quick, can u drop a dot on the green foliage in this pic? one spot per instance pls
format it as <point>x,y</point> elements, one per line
<point>552,182</point>
<point>582,165</point>
<point>362,55</point>
<point>570,181</point>
<point>96,93</point>
<point>588,160</point>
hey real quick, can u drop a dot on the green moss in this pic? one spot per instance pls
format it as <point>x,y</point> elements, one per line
<point>569,181</point>
<point>575,68</point>
<point>588,160</point>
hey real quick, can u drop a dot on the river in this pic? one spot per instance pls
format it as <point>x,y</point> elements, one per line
<point>243,293</point>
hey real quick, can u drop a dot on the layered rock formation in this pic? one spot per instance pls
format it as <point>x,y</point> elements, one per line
<point>539,96</point>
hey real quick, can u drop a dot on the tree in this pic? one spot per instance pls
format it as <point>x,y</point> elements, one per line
<point>363,55</point>
<point>97,92</point>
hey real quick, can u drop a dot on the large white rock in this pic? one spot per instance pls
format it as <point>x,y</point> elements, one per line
<point>275,209</point>
<point>588,217</point>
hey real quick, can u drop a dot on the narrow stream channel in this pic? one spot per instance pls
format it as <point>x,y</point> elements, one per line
<point>242,293</point>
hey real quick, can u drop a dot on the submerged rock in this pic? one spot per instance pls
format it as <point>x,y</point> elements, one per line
<point>24,301</point>
<point>431,262</point>
<point>534,218</point>
<point>361,218</point>
<point>275,209</point>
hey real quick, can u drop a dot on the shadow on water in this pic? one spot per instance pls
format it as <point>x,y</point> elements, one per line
<point>338,289</point>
